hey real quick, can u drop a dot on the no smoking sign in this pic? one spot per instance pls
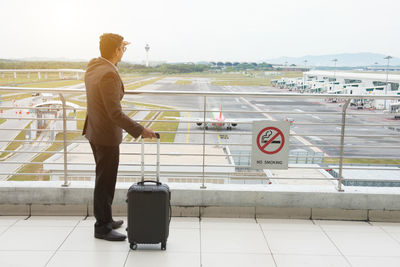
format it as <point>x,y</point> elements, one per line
<point>270,149</point>
<point>270,140</point>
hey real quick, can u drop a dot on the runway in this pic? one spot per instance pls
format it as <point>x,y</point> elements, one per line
<point>309,141</point>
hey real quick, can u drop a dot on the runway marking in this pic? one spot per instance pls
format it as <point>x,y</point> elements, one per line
<point>188,130</point>
<point>219,139</point>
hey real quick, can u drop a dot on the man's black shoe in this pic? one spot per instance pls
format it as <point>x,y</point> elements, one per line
<point>117,224</point>
<point>111,236</point>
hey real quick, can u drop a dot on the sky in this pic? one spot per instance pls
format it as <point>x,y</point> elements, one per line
<point>192,30</point>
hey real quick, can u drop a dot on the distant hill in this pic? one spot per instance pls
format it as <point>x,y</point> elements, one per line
<point>346,59</point>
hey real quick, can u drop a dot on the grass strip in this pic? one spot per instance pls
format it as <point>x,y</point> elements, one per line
<point>143,83</point>
<point>52,84</point>
<point>167,126</point>
<point>183,82</point>
<point>363,161</point>
<point>15,97</point>
<point>22,78</point>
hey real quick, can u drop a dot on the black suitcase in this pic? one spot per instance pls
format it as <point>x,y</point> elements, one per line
<point>149,209</point>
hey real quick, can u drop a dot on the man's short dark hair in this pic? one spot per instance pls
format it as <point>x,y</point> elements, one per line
<point>108,43</point>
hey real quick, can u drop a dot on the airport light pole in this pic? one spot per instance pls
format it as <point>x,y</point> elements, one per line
<point>334,73</point>
<point>147,48</point>
<point>387,77</point>
<point>304,82</point>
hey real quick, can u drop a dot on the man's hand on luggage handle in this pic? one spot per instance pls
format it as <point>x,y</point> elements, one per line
<point>148,133</point>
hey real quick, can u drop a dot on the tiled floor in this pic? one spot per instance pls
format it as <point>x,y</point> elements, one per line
<point>69,241</point>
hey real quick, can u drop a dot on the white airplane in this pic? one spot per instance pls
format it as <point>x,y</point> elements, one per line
<point>218,120</point>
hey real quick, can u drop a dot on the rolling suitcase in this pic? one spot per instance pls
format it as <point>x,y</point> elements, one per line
<point>149,209</point>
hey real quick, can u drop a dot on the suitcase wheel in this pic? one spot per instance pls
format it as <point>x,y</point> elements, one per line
<point>163,246</point>
<point>133,246</point>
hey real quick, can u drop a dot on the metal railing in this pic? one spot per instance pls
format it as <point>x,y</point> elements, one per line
<point>339,119</point>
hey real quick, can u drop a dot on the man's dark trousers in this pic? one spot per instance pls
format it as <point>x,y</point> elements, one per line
<point>107,160</point>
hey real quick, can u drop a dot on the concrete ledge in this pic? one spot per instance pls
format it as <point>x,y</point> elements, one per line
<point>283,213</point>
<point>66,209</point>
<point>14,209</point>
<point>339,214</point>
<point>384,215</point>
<point>262,201</point>
<point>182,211</point>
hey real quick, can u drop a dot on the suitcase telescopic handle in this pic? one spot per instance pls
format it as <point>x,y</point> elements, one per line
<point>158,159</point>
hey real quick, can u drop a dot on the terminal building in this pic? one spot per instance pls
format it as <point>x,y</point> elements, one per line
<point>334,82</point>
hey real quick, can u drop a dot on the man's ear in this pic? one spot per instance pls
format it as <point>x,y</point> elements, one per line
<point>115,52</point>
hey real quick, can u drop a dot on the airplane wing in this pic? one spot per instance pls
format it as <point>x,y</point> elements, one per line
<point>191,119</point>
<point>229,122</point>
<point>244,120</point>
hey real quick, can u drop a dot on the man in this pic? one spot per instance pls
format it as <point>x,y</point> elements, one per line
<point>103,128</point>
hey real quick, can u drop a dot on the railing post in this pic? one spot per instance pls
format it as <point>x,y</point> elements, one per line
<point>346,104</point>
<point>142,159</point>
<point>204,141</point>
<point>66,182</point>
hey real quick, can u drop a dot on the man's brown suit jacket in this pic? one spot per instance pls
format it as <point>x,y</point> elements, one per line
<point>105,119</point>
